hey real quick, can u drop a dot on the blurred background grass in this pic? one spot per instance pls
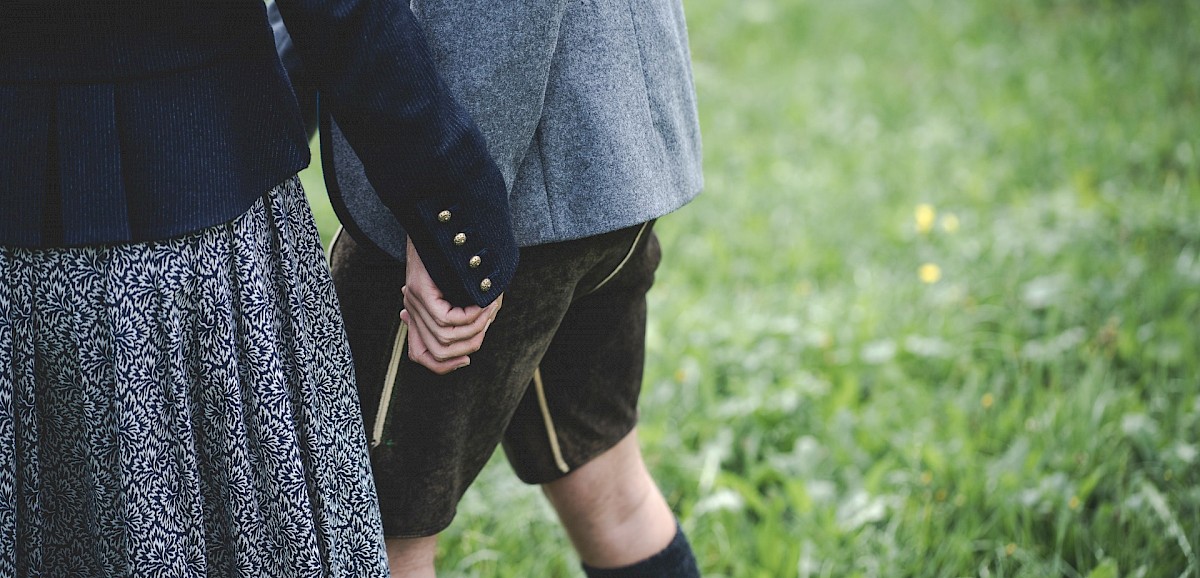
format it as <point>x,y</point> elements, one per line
<point>936,313</point>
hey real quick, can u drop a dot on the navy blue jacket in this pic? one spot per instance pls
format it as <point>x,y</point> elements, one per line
<point>125,121</point>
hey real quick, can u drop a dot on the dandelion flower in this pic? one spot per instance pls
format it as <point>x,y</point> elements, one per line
<point>929,273</point>
<point>988,400</point>
<point>950,223</point>
<point>925,216</point>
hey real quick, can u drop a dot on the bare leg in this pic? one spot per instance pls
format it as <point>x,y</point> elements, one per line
<point>412,557</point>
<point>611,508</point>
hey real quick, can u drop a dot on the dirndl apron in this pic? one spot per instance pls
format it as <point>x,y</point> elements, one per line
<point>183,408</point>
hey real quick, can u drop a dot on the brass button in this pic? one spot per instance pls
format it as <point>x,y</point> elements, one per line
<point>485,285</point>
<point>444,216</point>
<point>460,239</point>
<point>475,261</point>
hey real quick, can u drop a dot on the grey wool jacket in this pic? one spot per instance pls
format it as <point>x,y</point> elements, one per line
<point>587,106</point>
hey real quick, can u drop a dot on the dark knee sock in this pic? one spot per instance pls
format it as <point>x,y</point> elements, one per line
<point>674,561</point>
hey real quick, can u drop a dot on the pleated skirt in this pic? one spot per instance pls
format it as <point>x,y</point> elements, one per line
<point>183,408</point>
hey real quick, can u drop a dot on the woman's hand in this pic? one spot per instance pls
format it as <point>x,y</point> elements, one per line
<point>441,336</point>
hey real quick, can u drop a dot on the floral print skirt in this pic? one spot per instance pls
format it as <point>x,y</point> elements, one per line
<point>183,408</point>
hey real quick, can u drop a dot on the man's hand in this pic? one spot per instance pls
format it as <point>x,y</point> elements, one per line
<point>441,336</point>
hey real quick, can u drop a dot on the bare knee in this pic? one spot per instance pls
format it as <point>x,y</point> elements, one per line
<point>612,509</point>
<point>612,486</point>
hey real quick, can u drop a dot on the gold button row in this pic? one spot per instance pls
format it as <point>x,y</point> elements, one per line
<point>460,240</point>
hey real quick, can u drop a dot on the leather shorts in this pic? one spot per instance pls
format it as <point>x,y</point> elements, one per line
<point>556,380</point>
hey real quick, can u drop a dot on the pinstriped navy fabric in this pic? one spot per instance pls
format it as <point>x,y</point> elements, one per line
<point>441,162</point>
<point>145,159</point>
<point>59,41</point>
<point>205,120</point>
<point>183,408</point>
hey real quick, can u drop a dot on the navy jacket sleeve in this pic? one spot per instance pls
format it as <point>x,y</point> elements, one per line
<point>421,151</point>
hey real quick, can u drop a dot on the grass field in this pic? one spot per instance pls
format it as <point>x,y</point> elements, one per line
<point>937,312</point>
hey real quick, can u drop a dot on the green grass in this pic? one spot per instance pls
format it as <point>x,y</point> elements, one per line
<point>813,408</point>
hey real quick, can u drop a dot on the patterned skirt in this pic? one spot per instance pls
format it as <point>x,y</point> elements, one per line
<point>183,408</point>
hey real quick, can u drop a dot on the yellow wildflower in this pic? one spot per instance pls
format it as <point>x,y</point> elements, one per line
<point>929,273</point>
<point>1074,503</point>
<point>925,217</point>
<point>988,400</point>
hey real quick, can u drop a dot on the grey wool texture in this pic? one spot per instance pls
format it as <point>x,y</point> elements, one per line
<point>588,106</point>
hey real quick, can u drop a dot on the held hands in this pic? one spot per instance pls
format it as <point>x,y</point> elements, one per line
<point>441,336</point>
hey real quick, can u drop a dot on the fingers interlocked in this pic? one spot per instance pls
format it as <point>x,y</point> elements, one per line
<point>441,336</point>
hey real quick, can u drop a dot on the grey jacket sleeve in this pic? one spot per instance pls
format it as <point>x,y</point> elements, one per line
<point>496,57</point>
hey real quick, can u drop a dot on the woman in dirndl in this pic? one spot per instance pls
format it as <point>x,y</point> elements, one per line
<point>176,392</point>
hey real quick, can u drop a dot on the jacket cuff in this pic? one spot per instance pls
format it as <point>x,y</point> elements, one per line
<point>466,242</point>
